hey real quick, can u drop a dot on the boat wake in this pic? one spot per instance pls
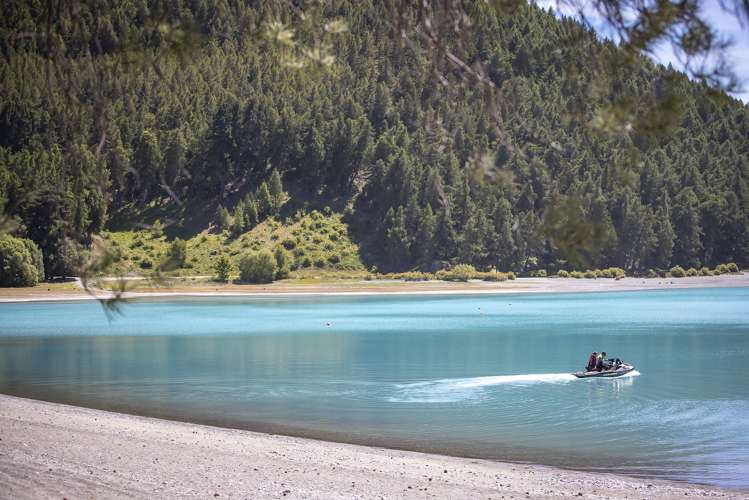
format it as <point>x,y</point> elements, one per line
<point>459,389</point>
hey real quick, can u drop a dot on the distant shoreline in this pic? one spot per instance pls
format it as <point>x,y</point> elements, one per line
<point>290,288</point>
<point>55,450</point>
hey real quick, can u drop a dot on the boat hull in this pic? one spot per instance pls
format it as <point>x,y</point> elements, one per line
<point>622,370</point>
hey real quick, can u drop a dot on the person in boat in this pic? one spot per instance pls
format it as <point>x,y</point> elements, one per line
<point>591,361</point>
<point>600,361</point>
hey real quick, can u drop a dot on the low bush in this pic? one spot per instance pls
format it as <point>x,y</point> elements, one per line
<point>319,262</point>
<point>146,264</point>
<point>732,267</point>
<point>677,272</point>
<point>289,243</point>
<point>563,274</point>
<point>459,272</point>
<point>334,259</point>
<point>691,272</point>
<point>494,275</point>
<point>720,269</point>
<point>283,262</point>
<point>537,273</point>
<point>705,271</point>
<point>258,267</point>
<point>20,262</point>
<point>589,274</point>
<point>576,274</point>
<point>651,274</point>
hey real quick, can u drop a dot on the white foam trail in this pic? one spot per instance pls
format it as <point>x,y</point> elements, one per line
<point>457,389</point>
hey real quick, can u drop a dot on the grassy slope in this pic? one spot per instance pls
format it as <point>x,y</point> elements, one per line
<point>315,241</point>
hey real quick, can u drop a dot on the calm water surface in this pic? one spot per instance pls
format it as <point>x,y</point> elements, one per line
<point>485,376</point>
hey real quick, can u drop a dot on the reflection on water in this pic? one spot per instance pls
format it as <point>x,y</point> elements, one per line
<point>422,373</point>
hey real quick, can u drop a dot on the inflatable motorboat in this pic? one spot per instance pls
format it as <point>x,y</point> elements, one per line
<point>613,371</point>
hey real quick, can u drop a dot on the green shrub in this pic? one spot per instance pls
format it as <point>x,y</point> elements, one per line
<point>146,264</point>
<point>328,246</point>
<point>137,242</point>
<point>334,259</point>
<point>157,229</point>
<point>306,262</point>
<point>258,267</point>
<point>576,274</point>
<point>223,268</point>
<point>691,272</point>
<point>537,273</point>
<point>289,243</point>
<point>319,262</point>
<point>589,274</point>
<point>333,237</point>
<point>459,272</point>
<point>720,269</point>
<point>563,274</point>
<point>732,267</point>
<point>493,275</point>
<point>677,272</point>
<point>617,272</point>
<point>651,274</point>
<point>283,262</point>
<point>705,271</point>
<point>177,254</point>
<point>21,262</point>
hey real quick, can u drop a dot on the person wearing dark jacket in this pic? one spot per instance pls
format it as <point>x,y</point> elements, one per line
<point>591,361</point>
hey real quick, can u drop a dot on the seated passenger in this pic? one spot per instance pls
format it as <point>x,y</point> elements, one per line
<point>600,361</point>
<point>591,362</point>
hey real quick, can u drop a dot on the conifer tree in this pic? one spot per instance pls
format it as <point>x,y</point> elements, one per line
<point>425,236</point>
<point>239,225</point>
<point>276,191</point>
<point>264,201</point>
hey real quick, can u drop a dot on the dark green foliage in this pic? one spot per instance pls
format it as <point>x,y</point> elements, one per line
<point>20,262</point>
<point>276,191</point>
<point>239,223</point>
<point>677,272</point>
<point>222,218</point>
<point>437,174</point>
<point>258,267</point>
<point>223,268</point>
<point>283,262</point>
<point>177,256</point>
<point>265,206</point>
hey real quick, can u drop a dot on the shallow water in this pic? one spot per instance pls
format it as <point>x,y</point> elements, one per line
<point>485,376</point>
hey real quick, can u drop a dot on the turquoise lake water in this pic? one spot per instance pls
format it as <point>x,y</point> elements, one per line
<point>483,376</point>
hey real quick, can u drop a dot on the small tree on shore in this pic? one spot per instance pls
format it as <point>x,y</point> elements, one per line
<point>20,262</point>
<point>223,268</point>
<point>283,262</point>
<point>178,253</point>
<point>258,267</point>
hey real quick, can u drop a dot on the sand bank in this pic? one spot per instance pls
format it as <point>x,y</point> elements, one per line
<point>352,287</point>
<point>50,450</point>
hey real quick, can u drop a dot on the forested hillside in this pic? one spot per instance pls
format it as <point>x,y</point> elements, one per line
<point>423,169</point>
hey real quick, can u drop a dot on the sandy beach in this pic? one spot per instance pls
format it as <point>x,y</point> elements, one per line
<point>360,287</point>
<point>50,450</point>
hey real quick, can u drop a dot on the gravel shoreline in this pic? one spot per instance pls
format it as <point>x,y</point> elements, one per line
<point>49,450</point>
<point>343,288</point>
